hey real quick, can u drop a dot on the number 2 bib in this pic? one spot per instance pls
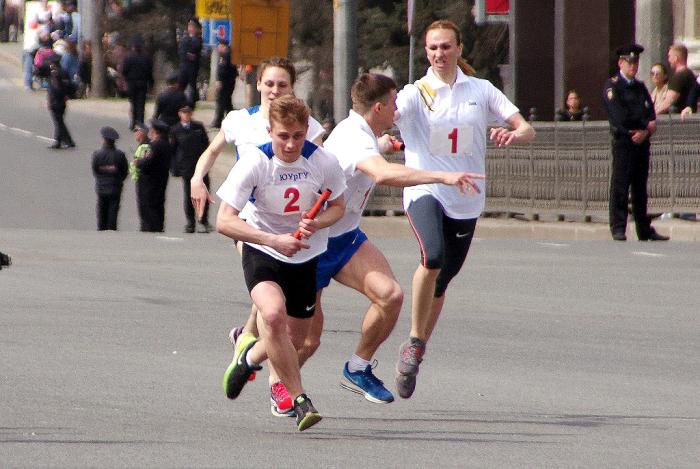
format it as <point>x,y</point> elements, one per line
<point>451,141</point>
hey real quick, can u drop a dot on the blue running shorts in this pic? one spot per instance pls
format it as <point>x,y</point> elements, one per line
<point>340,251</point>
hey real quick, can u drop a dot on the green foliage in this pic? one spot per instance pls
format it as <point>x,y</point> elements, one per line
<point>383,40</point>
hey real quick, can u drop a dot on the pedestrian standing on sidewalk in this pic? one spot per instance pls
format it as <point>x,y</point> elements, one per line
<point>226,74</point>
<point>443,119</point>
<point>60,89</point>
<point>632,123</point>
<point>189,139</point>
<point>110,167</point>
<point>190,49</point>
<point>137,70</point>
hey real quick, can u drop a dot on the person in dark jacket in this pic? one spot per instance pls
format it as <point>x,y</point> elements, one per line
<point>189,139</point>
<point>153,178</point>
<point>190,49</point>
<point>632,123</point>
<point>110,167</point>
<point>137,71</point>
<point>60,89</point>
<point>169,102</point>
<point>226,74</point>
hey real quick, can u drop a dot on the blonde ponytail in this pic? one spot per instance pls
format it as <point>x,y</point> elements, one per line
<point>465,67</point>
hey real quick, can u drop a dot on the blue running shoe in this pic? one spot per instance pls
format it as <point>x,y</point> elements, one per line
<point>365,383</point>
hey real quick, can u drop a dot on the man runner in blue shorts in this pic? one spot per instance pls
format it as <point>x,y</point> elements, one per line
<point>351,258</point>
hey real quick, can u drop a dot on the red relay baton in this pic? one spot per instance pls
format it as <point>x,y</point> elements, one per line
<point>315,209</point>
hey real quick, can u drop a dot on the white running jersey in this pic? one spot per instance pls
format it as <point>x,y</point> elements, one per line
<point>249,127</point>
<point>451,136</point>
<point>279,193</point>
<point>352,141</point>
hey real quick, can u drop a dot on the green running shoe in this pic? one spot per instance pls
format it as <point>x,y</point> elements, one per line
<point>238,372</point>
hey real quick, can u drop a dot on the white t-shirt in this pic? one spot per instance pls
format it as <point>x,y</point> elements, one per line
<point>353,141</point>
<point>279,193</point>
<point>451,137</point>
<point>249,127</point>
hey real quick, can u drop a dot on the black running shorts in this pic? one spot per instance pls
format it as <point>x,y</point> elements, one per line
<point>297,281</point>
<point>444,241</point>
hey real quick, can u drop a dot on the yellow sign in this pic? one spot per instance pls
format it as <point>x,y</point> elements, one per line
<point>212,9</point>
<point>260,31</point>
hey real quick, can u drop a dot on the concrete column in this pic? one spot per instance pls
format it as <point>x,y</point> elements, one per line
<point>344,55</point>
<point>653,31</point>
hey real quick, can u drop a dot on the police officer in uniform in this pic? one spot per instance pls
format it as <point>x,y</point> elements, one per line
<point>110,167</point>
<point>153,169</point>
<point>189,139</point>
<point>137,70</point>
<point>190,55</point>
<point>226,74</point>
<point>632,123</point>
<point>169,102</point>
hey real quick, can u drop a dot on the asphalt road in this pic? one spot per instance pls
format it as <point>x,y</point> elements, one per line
<point>548,354</point>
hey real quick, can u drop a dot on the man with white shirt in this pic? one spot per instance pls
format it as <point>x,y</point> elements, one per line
<point>281,179</point>
<point>351,259</point>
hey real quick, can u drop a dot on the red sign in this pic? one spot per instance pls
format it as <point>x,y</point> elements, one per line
<point>497,7</point>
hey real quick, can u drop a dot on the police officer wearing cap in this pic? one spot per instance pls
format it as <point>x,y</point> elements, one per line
<point>632,123</point>
<point>153,169</point>
<point>110,167</point>
<point>137,71</point>
<point>169,102</point>
<point>190,54</point>
<point>226,74</point>
<point>189,139</point>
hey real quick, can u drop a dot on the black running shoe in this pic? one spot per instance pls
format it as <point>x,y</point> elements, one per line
<point>306,413</point>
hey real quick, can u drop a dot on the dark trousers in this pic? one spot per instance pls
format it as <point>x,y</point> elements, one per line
<point>187,201</point>
<point>224,105</point>
<point>188,83</point>
<point>630,172</point>
<point>150,196</point>
<point>107,211</point>
<point>60,131</point>
<point>137,99</point>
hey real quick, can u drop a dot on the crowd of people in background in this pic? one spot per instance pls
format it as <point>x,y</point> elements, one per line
<point>279,143</point>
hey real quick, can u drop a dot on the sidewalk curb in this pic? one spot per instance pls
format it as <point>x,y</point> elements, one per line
<point>489,228</point>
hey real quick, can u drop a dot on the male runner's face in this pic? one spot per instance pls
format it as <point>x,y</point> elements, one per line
<point>288,140</point>
<point>274,82</point>
<point>442,50</point>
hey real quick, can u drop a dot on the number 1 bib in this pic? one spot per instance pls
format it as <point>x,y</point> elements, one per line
<point>451,141</point>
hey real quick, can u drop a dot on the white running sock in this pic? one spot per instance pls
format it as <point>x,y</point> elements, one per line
<point>357,364</point>
<point>249,362</point>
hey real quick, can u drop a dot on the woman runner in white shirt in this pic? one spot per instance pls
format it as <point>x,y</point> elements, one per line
<point>282,179</point>
<point>443,119</point>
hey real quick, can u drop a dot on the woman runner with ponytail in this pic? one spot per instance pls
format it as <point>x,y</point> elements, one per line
<point>443,119</point>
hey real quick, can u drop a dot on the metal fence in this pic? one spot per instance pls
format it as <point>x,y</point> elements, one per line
<point>565,172</point>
